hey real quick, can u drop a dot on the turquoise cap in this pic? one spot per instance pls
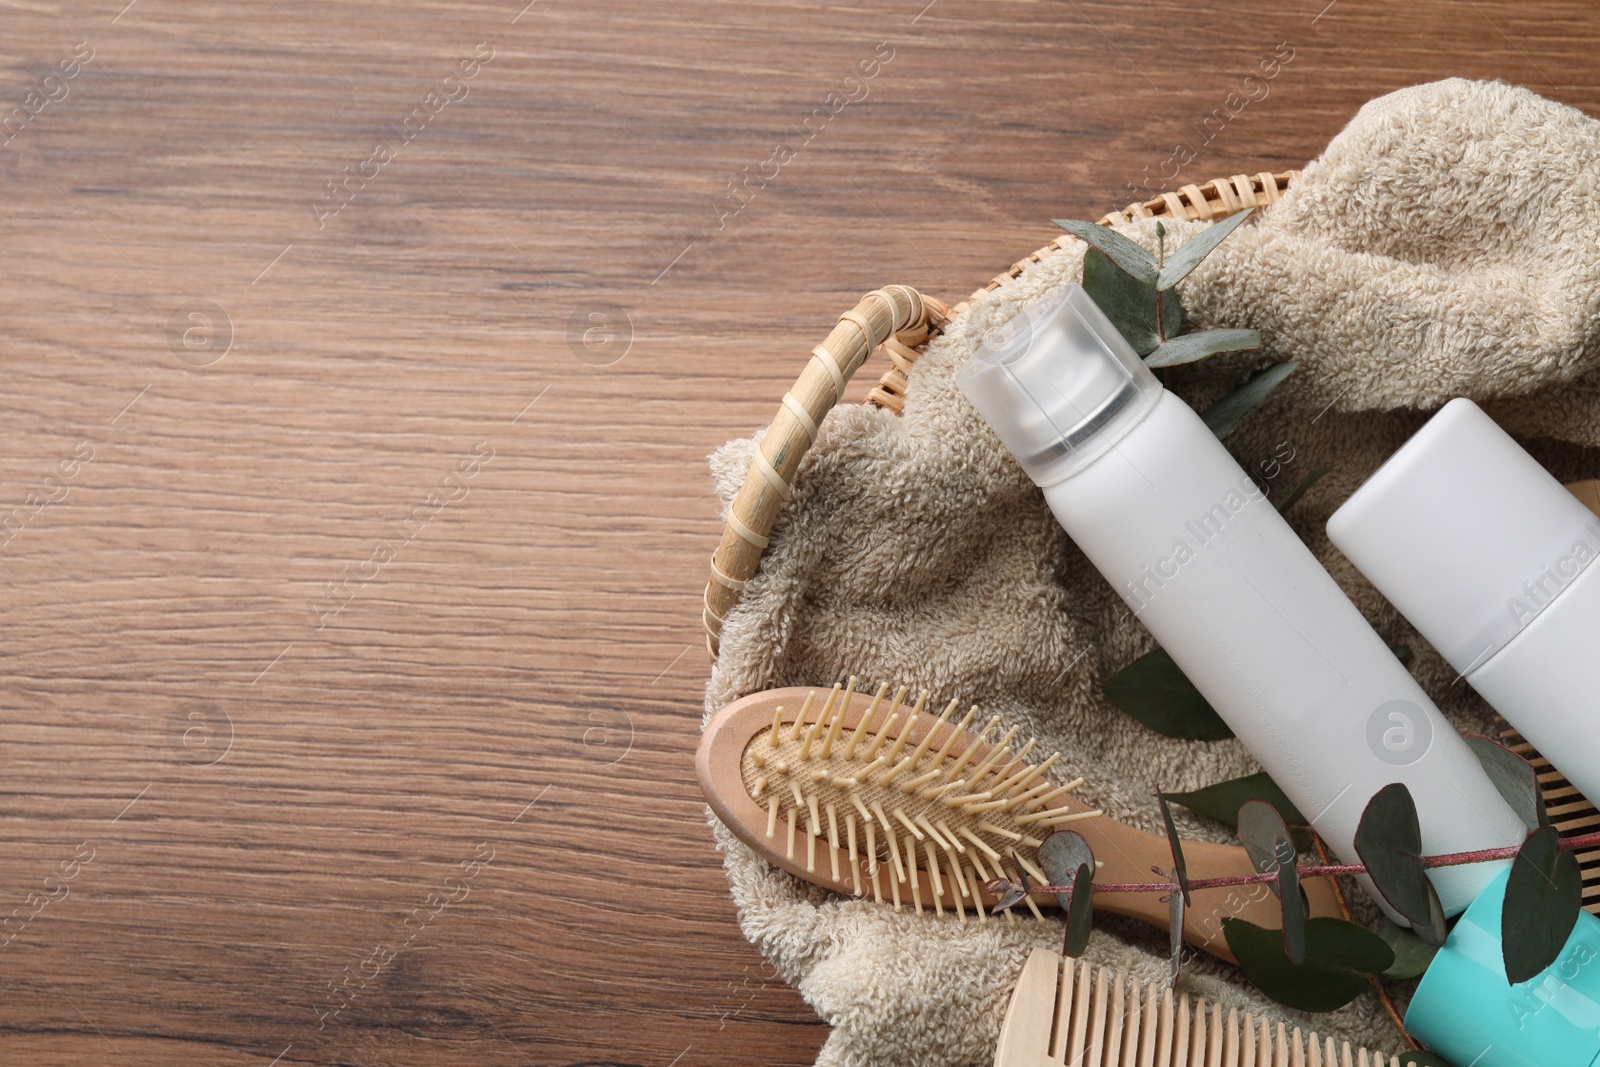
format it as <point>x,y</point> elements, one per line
<point>1467,1012</point>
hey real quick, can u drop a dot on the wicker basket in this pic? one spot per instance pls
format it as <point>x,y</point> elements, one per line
<point>898,320</point>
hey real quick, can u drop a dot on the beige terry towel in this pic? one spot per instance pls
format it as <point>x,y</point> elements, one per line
<point>1444,245</point>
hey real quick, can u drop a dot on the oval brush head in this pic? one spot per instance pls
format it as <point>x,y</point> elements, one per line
<point>893,799</point>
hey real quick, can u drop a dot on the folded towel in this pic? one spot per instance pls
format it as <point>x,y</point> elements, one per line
<point>1444,245</point>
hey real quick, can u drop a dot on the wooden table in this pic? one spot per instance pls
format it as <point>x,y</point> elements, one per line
<point>361,365</point>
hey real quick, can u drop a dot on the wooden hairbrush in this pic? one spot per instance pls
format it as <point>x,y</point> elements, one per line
<point>1067,1012</point>
<point>870,796</point>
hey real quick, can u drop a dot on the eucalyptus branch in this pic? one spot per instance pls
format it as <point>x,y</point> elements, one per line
<point>1453,859</point>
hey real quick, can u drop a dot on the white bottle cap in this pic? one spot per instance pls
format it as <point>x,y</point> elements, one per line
<point>1466,534</point>
<point>1059,384</point>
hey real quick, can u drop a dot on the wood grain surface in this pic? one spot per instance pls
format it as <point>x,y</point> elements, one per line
<point>352,537</point>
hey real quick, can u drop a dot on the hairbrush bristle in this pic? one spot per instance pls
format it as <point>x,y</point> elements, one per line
<point>930,812</point>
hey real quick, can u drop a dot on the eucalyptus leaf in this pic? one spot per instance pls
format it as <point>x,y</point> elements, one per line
<point>1226,414</point>
<point>1129,305</point>
<point>1192,347</point>
<point>1543,895</point>
<point>1010,894</point>
<point>1266,839</point>
<point>1300,490</point>
<point>1412,955</point>
<point>1180,868</point>
<point>1196,248</point>
<point>1120,250</point>
<point>1516,779</point>
<point>1175,915</point>
<point>1222,801</point>
<point>1153,690</point>
<point>1389,842</point>
<point>1067,859</point>
<point>1340,957</point>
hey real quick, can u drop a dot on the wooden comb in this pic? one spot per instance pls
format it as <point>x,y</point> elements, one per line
<point>1068,1012</point>
<point>869,796</point>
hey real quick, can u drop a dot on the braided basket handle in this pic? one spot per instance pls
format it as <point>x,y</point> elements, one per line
<point>897,315</point>
<point>898,319</point>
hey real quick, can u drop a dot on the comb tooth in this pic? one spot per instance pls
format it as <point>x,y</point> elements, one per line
<point>855,857</point>
<point>1247,1050</point>
<point>866,717</point>
<point>833,841</point>
<point>951,834</point>
<point>979,807</point>
<point>1031,842</point>
<point>911,870</point>
<point>799,797</point>
<point>758,759</point>
<point>972,749</point>
<point>790,851</point>
<point>933,873</point>
<point>1037,914</point>
<point>772,816</point>
<point>922,821</point>
<point>1281,1054</point>
<point>1133,1028</point>
<point>961,728</point>
<point>909,825</point>
<point>894,883</point>
<point>800,720</point>
<point>759,788</point>
<point>977,900</point>
<point>1080,1012</point>
<point>1119,1016</point>
<point>816,820</point>
<point>777,724</point>
<point>980,842</point>
<point>1181,1031</point>
<point>1097,1021</point>
<point>881,736</point>
<point>1297,1051</point>
<point>1214,1045</point>
<point>1061,1023</point>
<point>1164,1034</point>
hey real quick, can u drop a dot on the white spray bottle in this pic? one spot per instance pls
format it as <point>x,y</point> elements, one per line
<point>1242,606</point>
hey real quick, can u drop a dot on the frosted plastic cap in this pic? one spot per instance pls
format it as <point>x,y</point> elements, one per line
<point>1468,1013</point>
<point>1466,534</point>
<point>1059,384</point>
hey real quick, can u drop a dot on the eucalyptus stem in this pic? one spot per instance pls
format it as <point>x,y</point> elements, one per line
<point>1327,870</point>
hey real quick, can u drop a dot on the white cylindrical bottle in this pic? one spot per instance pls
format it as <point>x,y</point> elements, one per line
<point>1493,561</point>
<point>1243,607</point>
